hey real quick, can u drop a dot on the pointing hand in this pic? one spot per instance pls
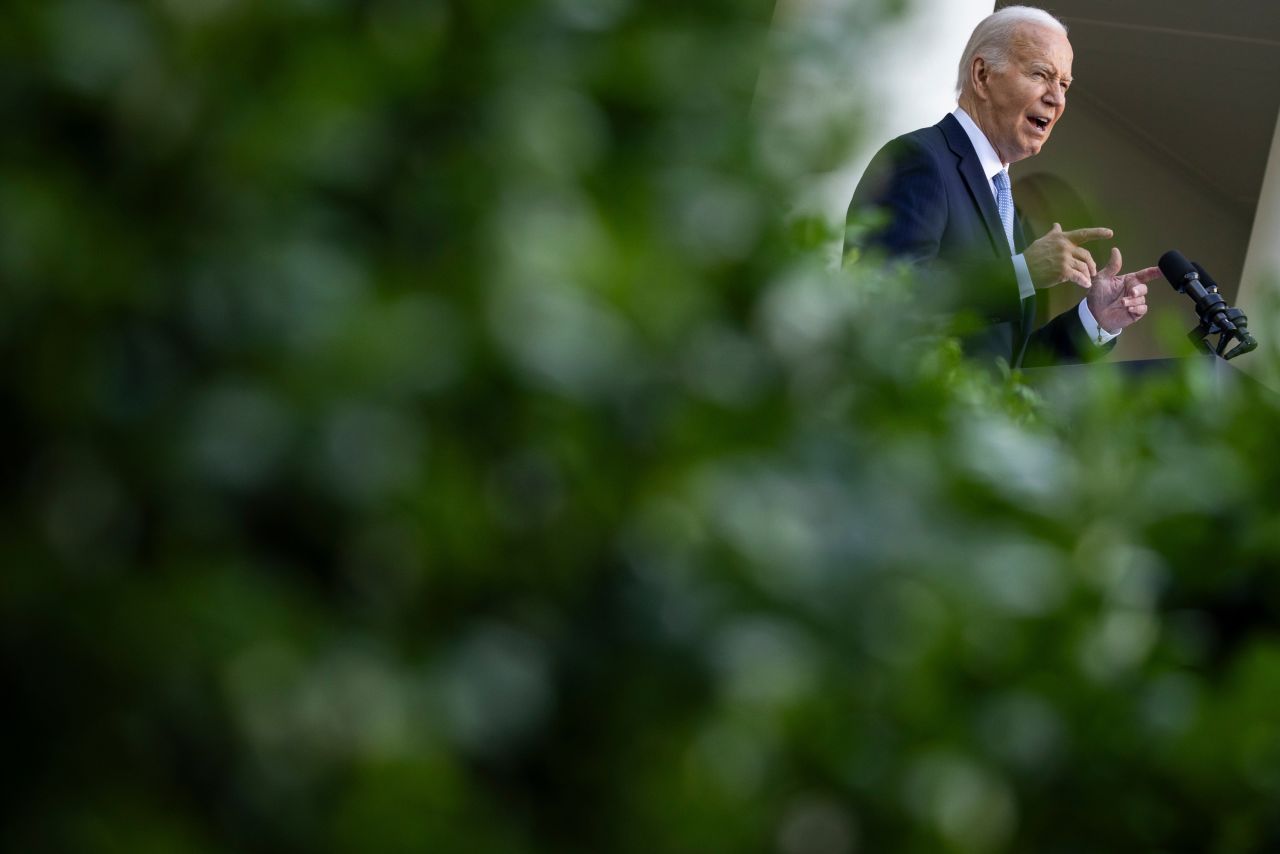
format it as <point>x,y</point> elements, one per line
<point>1059,257</point>
<point>1119,300</point>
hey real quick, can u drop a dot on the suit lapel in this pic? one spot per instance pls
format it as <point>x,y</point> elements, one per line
<point>970,169</point>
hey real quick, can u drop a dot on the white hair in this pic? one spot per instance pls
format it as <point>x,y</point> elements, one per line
<point>993,37</point>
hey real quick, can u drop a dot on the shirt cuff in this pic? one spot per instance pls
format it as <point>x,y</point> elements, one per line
<point>1025,286</point>
<point>1096,333</point>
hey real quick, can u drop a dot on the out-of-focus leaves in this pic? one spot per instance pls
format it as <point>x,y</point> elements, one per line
<point>428,432</point>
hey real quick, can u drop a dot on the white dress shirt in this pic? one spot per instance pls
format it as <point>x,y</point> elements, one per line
<point>992,166</point>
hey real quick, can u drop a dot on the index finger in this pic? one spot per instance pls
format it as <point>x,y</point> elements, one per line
<point>1146,275</point>
<point>1084,235</point>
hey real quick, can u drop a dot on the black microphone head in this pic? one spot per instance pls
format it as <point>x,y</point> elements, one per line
<point>1175,268</point>
<point>1205,278</point>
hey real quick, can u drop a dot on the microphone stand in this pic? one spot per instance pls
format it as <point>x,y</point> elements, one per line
<point>1230,324</point>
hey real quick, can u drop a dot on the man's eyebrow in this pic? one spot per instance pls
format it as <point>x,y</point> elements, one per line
<point>1046,66</point>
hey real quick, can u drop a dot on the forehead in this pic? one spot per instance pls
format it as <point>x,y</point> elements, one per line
<point>1035,43</point>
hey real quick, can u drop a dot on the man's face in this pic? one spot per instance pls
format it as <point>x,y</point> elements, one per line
<point>1024,100</point>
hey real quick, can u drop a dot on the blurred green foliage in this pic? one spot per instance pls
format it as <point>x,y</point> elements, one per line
<point>426,432</point>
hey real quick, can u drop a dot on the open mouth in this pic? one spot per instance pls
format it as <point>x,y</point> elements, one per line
<point>1040,123</point>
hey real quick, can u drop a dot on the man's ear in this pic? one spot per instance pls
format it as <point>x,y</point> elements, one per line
<point>979,76</point>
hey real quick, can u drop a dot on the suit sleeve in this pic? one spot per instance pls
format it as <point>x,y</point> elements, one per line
<point>899,208</point>
<point>1063,341</point>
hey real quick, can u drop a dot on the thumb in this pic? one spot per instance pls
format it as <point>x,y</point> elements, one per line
<point>1113,266</point>
<point>1057,228</point>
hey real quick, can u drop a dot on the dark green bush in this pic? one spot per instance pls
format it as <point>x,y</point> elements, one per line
<point>427,433</point>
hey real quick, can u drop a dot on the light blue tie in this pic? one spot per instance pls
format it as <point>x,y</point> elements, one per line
<point>1004,204</point>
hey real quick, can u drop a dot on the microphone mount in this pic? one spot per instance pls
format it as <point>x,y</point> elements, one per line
<point>1216,316</point>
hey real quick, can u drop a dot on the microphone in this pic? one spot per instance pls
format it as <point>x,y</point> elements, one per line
<point>1216,316</point>
<point>1211,307</point>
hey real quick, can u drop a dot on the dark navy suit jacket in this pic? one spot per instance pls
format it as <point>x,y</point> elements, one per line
<point>939,211</point>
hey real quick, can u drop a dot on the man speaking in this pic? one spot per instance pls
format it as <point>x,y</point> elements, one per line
<point>945,198</point>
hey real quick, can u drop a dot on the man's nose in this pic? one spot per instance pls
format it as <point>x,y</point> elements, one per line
<point>1055,94</point>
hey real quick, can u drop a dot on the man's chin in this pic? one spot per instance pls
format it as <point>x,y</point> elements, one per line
<point>1031,149</point>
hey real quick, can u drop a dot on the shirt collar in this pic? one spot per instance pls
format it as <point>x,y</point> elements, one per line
<point>987,156</point>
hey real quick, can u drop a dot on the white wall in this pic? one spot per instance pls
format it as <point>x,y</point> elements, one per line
<point>909,72</point>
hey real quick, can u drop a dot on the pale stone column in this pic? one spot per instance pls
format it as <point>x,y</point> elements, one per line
<point>1261,276</point>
